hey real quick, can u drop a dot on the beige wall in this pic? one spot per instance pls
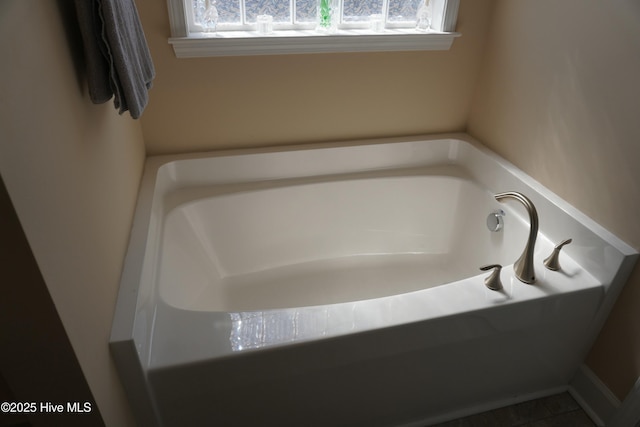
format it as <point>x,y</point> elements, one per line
<point>559,96</point>
<point>208,103</point>
<point>71,169</point>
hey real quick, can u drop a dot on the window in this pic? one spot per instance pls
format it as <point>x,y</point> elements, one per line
<point>257,27</point>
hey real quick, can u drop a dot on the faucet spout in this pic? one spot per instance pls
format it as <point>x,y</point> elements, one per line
<point>523,267</point>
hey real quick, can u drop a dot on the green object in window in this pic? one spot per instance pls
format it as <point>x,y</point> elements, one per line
<point>325,14</point>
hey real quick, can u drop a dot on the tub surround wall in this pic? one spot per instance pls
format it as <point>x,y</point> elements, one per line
<point>210,103</point>
<point>558,96</point>
<point>72,170</point>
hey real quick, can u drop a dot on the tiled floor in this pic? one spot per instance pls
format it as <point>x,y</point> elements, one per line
<point>560,410</point>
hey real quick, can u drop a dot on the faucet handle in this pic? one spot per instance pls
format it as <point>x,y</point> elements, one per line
<point>551,262</point>
<point>493,280</point>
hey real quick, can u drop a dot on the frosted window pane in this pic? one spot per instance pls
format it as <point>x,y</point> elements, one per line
<point>403,10</point>
<point>279,9</point>
<point>360,10</point>
<point>306,10</point>
<point>228,10</point>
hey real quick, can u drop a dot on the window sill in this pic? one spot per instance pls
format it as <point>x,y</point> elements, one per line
<point>244,43</point>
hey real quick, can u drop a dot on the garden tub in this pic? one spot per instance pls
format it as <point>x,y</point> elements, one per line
<point>339,285</point>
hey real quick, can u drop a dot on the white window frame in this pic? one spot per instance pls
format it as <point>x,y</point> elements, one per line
<point>191,44</point>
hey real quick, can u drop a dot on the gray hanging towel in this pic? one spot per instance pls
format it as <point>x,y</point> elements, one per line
<point>118,60</point>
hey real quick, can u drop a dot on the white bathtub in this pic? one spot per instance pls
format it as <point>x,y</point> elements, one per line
<point>340,286</point>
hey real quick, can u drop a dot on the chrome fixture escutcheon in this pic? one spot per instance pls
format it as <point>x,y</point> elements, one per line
<point>494,220</point>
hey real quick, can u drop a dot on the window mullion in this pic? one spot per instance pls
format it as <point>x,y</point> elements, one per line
<point>243,13</point>
<point>292,12</point>
<point>385,12</point>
